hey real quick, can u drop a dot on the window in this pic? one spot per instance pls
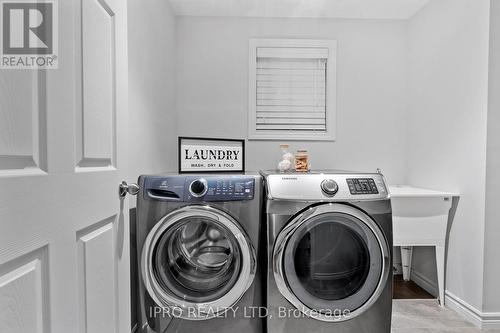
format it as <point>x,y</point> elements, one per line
<point>292,89</point>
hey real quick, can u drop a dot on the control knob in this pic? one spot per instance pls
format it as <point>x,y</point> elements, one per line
<point>329,187</point>
<point>198,187</point>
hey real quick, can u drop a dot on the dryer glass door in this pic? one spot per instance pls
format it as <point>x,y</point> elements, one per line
<point>331,262</point>
<point>198,260</point>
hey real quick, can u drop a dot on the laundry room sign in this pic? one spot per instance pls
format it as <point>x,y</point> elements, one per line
<point>197,155</point>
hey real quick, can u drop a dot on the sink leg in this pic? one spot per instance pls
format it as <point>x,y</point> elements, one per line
<point>440,272</point>
<point>406,254</point>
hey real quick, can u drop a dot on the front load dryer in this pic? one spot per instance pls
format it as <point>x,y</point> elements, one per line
<point>197,238</point>
<point>329,253</point>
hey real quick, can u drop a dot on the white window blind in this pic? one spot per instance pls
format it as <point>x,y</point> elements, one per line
<point>291,97</point>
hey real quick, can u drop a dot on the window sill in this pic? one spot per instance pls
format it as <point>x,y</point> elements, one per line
<point>290,137</point>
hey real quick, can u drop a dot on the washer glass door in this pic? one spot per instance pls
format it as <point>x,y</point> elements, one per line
<point>331,260</point>
<point>199,261</point>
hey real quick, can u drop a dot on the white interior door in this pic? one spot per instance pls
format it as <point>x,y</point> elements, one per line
<point>64,254</point>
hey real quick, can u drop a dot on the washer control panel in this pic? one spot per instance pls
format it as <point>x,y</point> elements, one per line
<point>199,188</point>
<point>229,189</point>
<point>362,186</point>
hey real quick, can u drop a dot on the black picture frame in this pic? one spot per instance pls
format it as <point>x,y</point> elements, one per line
<point>201,139</point>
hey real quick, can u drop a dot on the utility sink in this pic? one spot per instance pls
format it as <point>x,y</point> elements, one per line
<point>420,218</point>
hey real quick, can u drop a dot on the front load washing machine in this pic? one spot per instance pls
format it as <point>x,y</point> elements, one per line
<point>197,238</point>
<point>329,253</point>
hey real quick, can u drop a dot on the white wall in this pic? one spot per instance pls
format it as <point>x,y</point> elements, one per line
<point>491,292</point>
<point>447,128</point>
<point>153,145</point>
<point>153,136</point>
<point>212,88</point>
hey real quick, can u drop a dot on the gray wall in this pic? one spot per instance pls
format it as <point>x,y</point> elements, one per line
<point>212,88</point>
<point>447,119</point>
<point>491,292</point>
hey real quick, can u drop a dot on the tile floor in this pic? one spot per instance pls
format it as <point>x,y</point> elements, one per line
<point>426,316</point>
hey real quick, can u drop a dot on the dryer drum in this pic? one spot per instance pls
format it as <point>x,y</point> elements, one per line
<point>331,260</point>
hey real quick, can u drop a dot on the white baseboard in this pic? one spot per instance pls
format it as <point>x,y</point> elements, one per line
<point>491,321</point>
<point>424,282</point>
<point>483,320</point>
<point>463,308</point>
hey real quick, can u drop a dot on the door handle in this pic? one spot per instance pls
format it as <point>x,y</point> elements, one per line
<point>125,188</point>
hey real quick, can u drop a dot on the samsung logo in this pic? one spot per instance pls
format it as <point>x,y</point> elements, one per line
<point>289,178</point>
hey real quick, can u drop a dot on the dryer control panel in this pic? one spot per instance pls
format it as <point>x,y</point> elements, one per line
<point>326,186</point>
<point>199,188</point>
<point>362,186</point>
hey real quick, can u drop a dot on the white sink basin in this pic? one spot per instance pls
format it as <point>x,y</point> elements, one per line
<point>401,191</point>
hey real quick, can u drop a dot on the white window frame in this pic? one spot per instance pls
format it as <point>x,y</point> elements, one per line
<point>331,98</point>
